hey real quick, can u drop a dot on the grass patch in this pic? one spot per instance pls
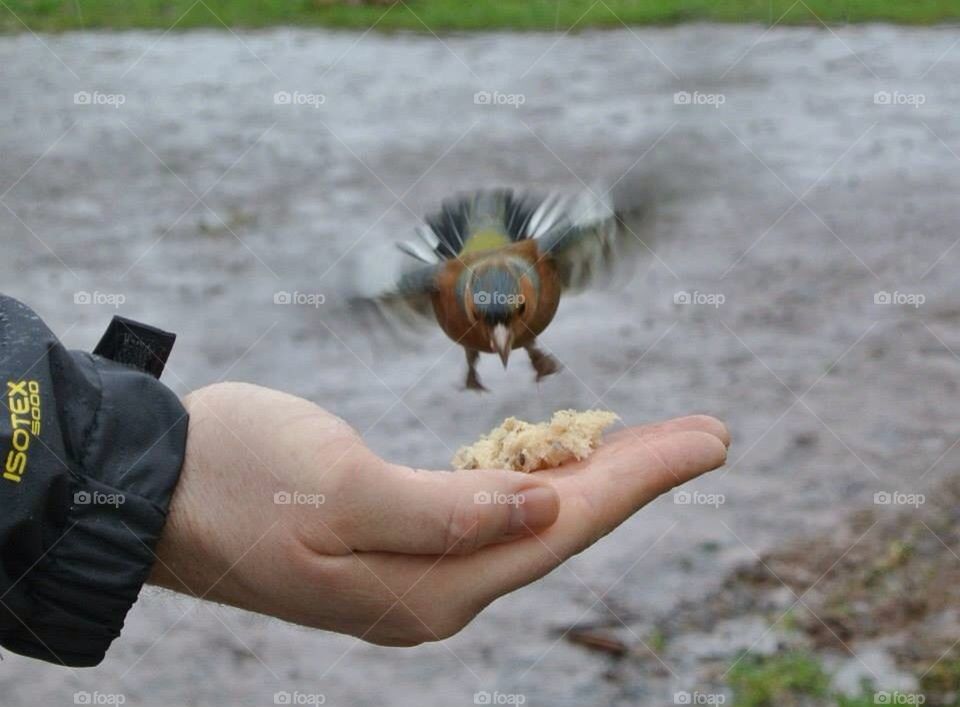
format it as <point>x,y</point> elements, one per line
<point>445,15</point>
<point>774,681</point>
<point>797,678</point>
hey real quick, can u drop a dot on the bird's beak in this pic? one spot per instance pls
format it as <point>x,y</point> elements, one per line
<point>502,342</point>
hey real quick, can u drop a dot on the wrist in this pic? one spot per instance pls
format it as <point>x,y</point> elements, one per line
<point>220,539</point>
<point>182,561</point>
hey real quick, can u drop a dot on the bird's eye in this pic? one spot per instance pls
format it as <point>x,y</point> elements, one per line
<point>522,308</point>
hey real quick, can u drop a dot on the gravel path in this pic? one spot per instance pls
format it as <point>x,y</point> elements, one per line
<point>783,186</point>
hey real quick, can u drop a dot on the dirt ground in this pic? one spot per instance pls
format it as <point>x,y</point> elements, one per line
<point>873,600</point>
<point>798,175</point>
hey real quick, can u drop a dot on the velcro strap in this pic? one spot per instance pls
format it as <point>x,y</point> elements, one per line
<point>137,345</point>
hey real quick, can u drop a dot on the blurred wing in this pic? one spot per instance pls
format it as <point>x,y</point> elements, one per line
<point>388,294</point>
<point>426,250</point>
<point>406,306</point>
<point>450,231</point>
<point>586,239</point>
<point>412,293</point>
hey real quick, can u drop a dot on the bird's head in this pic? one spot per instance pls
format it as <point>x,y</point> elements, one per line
<point>498,302</point>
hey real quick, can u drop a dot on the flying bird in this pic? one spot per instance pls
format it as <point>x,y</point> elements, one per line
<point>491,267</point>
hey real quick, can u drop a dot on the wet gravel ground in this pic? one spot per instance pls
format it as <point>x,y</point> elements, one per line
<point>786,187</point>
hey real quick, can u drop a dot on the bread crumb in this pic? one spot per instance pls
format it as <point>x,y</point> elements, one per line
<point>525,446</point>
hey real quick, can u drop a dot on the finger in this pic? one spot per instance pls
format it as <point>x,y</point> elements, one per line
<point>689,423</point>
<point>632,470</point>
<point>630,473</point>
<point>435,512</point>
<point>618,480</point>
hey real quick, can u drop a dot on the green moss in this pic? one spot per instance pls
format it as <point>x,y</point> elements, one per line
<point>443,15</point>
<point>657,641</point>
<point>943,679</point>
<point>789,621</point>
<point>777,680</point>
<point>710,547</point>
<point>866,700</point>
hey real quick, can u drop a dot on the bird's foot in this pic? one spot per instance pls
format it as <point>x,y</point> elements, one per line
<point>543,363</point>
<point>473,382</point>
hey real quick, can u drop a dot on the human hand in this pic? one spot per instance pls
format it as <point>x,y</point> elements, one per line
<point>281,509</point>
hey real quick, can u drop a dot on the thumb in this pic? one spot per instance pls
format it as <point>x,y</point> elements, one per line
<point>434,512</point>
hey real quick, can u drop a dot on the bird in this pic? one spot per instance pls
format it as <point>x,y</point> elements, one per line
<point>490,267</point>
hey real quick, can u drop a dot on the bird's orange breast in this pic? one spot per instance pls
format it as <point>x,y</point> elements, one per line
<point>540,287</point>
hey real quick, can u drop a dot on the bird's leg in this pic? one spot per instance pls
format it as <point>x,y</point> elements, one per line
<point>473,380</point>
<point>543,363</point>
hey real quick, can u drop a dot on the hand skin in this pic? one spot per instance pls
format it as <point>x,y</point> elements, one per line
<point>393,555</point>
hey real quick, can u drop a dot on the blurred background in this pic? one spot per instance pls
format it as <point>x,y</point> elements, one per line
<point>219,169</point>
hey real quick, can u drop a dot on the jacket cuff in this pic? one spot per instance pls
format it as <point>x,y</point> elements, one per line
<point>85,585</point>
<point>83,520</point>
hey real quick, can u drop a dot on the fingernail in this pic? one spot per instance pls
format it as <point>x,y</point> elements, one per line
<point>536,508</point>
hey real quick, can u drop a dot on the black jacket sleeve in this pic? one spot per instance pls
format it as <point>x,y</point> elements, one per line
<point>90,452</point>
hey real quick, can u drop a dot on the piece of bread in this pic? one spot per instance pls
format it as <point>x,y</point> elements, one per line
<point>524,446</point>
